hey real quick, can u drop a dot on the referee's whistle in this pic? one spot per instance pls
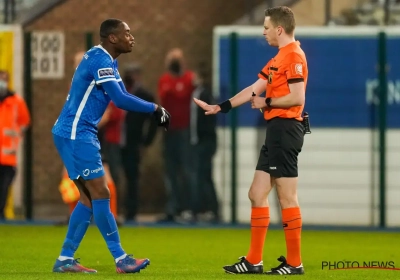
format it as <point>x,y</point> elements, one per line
<point>260,108</point>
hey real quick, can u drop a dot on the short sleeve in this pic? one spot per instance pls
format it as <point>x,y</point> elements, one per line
<point>102,68</point>
<point>264,72</point>
<point>294,68</point>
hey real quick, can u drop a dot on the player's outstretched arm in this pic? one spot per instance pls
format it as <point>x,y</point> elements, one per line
<point>129,102</point>
<point>242,97</point>
<point>126,101</point>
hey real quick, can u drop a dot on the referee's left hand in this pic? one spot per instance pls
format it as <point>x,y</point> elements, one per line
<point>257,102</point>
<point>209,109</point>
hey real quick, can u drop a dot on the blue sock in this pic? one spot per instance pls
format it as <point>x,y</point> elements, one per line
<point>107,225</point>
<point>77,227</point>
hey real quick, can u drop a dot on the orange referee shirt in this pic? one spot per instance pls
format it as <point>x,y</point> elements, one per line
<point>288,66</point>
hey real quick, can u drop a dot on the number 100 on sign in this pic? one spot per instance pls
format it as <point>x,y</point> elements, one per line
<point>47,55</point>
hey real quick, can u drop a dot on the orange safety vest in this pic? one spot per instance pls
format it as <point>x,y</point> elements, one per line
<point>14,118</point>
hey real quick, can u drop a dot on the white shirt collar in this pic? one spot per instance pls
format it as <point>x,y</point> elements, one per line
<point>101,47</point>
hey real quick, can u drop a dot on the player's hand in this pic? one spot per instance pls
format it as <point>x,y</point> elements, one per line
<point>257,102</point>
<point>162,116</point>
<point>210,109</point>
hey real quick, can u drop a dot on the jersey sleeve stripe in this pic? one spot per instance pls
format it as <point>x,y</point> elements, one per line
<point>119,80</point>
<point>265,75</point>
<point>295,80</point>
<point>105,80</point>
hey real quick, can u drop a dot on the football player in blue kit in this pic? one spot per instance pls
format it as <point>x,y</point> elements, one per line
<point>96,81</point>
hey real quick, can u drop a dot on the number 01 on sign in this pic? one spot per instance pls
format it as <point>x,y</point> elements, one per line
<point>47,55</point>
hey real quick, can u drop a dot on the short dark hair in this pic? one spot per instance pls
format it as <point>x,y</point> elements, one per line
<point>282,16</point>
<point>109,26</point>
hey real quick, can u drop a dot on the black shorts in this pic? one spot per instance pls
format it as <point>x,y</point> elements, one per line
<point>283,143</point>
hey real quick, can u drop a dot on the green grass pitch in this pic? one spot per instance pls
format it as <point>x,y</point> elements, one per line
<point>28,252</point>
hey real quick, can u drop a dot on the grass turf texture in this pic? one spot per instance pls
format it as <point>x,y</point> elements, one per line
<point>29,252</point>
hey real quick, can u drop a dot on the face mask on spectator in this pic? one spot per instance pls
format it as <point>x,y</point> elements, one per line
<point>3,88</point>
<point>175,67</point>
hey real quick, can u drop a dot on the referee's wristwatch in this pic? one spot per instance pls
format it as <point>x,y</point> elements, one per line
<point>268,102</point>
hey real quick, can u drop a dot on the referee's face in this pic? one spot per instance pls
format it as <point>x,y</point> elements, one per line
<point>125,39</point>
<point>270,32</point>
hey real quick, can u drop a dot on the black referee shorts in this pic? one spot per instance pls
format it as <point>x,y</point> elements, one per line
<point>283,143</point>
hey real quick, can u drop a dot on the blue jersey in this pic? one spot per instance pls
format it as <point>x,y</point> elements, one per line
<point>87,100</point>
<point>96,81</point>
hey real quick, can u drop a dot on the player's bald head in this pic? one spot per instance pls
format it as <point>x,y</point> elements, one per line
<point>109,26</point>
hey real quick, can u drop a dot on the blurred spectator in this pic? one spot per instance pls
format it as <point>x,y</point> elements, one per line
<point>138,133</point>
<point>14,119</point>
<point>112,141</point>
<point>175,88</point>
<point>203,140</point>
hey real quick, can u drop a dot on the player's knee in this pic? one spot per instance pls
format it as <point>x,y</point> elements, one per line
<point>98,188</point>
<point>85,201</point>
<point>102,193</point>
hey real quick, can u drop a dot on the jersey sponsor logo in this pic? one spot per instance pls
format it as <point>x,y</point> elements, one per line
<point>105,73</point>
<point>86,172</point>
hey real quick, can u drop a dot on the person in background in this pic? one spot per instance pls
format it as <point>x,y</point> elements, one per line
<point>14,120</point>
<point>175,88</point>
<point>203,140</point>
<point>139,131</point>
<point>111,141</point>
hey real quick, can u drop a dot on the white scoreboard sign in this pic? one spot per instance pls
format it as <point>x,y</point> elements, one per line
<point>47,55</point>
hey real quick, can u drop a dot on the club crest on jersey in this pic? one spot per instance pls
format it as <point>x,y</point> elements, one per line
<point>299,68</point>
<point>105,72</point>
<point>270,78</point>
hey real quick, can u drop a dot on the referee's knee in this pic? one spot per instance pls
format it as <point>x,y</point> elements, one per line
<point>287,192</point>
<point>258,196</point>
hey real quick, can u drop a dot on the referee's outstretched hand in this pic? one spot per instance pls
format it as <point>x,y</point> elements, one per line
<point>162,116</point>
<point>210,109</point>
